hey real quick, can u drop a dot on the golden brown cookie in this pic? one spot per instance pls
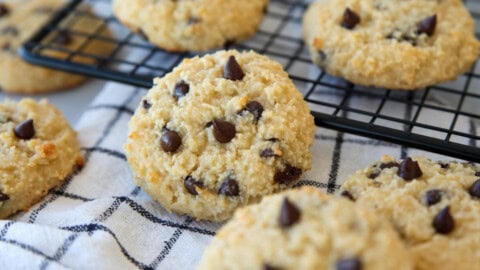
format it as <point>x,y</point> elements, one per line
<point>397,44</point>
<point>191,25</point>
<point>219,132</point>
<point>434,206</point>
<point>18,21</point>
<point>38,149</point>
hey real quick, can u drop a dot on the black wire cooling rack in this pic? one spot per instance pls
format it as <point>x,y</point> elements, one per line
<point>396,116</point>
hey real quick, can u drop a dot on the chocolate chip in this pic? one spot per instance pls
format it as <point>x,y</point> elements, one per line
<point>181,89</point>
<point>373,175</point>
<point>322,55</point>
<point>25,130</point>
<point>409,170</point>
<point>193,21</point>
<point>229,187</point>
<point>427,25</point>
<point>389,165</point>
<point>142,34</point>
<point>229,43</point>
<point>170,141</point>
<point>3,197</point>
<point>350,19</point>
<point>223,131</point>
<point>191,184</point>
<point>444,165</point>
<point>4,10</point>
<point>266,153</point>
<point>443,222</point>
<point>255,108</point>
<point>349,264</point>
<point>477,174</point>
<point>474,190</point>
<point>289,214</point>
<point>267,266</point>
<point>10,31</point>
<point>232,70</point>
<point>288,175</point>
<point>433,196</point>
<point>62,38</point>
<point>146,105</point>
<point>347,194</point>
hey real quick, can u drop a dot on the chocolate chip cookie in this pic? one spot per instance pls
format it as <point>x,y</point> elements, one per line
<point>434,206</point>
<point>397,44</point>
<point>306,229</point>
<point>191,25</point>
<point>38,149</point>
<point>219,132</point>
<point>18,21</point>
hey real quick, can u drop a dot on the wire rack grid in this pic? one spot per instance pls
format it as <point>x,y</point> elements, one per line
<point>396,116</point>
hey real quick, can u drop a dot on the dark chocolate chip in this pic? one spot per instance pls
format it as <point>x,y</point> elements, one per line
<point>409,170</point>
<point>146,105</point>
<point>349,264</point>
<point>62,38</point>
<point>3,197</point>
<point>433,196</point>
<point>389,165</point>
<point>474,190</point>
<point>25,130</point>
<point>272,139</point>
<point>255,108</point>
<point>232,70</point>
<point>373,175</point>
<point>181,90</point>
<point>142,34</point>
<point>350,19</point>
<point>170,141</point>
<point>267,266</point>
<point>191,184</point>
<point>223,131</point>
<point>443,222</point>
<point>10,31</point>
<point>229,187</point>
<point>288,175</point>
<point>266,153</point>
<point>427,25</point>
<point>444,165</point>
<point>4,10</point>
<point>477,174</point>
<point>228,43</point>
<point>193,21</point>
<point>347,194</point>
<point>289,214</point>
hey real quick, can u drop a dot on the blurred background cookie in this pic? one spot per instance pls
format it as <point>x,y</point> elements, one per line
<point>18,21</point>
<point>191,25</point>
<point>406,45</point>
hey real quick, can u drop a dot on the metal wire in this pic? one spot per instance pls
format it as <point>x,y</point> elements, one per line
<point>330,98</point>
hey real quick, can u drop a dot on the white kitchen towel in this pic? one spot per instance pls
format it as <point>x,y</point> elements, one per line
<point>100,220</point>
